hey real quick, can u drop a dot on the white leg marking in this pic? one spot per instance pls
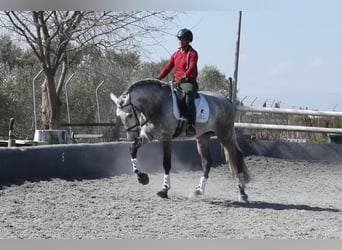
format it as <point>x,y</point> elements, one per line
<point>167,182</point>
<point>136,165</point>
<point>201,186</point>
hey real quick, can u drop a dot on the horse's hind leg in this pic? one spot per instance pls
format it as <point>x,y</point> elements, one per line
<point>243,176</point>
<point>237,165</point>
<point>206,161</point>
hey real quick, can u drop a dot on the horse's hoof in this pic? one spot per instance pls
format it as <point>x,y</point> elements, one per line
<point>198,192</point>
<point>243,198</point>
<point>143,178</point>
<point>163,194</point>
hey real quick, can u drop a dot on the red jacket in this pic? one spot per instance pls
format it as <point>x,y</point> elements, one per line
<point>185,63</point>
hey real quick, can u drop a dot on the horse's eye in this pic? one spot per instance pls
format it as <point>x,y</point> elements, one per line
<point>129,115</point>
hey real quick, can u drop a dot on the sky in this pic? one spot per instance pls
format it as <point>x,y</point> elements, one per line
<point>289,55</point>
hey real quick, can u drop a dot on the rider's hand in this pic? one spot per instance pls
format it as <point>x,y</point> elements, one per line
<point>180,80</point>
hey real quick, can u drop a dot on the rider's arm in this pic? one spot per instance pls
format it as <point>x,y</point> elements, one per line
<point>167,68</point>
<point>191,72</point>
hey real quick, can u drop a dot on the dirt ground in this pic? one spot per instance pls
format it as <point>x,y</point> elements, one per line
<point>288,200</point>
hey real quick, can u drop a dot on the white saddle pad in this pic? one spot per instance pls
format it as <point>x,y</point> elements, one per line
<point>202,108</point>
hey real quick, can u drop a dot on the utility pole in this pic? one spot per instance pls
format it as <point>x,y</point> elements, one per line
<point>236,69</point>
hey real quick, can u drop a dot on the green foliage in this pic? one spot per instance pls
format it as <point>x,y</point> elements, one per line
<point>10,54</point>
<point>16,70</point>
<point>211,79</point>
<point>152,69</point>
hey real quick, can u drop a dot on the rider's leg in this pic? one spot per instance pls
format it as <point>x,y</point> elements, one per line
<point>190,95</point>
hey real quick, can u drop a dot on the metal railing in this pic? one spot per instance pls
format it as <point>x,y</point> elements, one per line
<point>246,125</point>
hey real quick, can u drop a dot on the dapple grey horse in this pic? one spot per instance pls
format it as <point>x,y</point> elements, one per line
<point>146,111</point>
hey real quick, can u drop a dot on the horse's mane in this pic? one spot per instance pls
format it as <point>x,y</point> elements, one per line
<point>148,81</point>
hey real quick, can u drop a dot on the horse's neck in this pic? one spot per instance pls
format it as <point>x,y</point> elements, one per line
<point>148,102</point>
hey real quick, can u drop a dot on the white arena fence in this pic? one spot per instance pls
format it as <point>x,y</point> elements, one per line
<point>309,113</point>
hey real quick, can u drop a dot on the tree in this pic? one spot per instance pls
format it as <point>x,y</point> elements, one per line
<point>10,54</point>
<point>210,78</point>
<point>57,38</point>
<point>152,69</point>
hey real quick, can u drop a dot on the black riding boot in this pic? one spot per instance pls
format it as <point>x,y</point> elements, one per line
<point>190,94</point>
<point>190,130</point>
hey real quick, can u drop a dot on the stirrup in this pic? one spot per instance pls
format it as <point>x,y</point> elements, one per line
<point>190,130</point>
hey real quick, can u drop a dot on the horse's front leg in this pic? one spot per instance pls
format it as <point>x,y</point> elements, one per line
<point>167,167</point>
<point>137,169</point>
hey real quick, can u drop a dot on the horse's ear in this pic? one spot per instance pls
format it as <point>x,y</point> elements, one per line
<point>115,99</point>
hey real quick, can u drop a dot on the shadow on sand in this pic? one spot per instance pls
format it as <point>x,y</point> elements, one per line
<point>274,206</point>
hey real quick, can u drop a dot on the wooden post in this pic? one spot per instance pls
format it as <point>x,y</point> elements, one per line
<point>237,52</point>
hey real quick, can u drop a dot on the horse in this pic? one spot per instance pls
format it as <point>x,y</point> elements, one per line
<point>146,111</point>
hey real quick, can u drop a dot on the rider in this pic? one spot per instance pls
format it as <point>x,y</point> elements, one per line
<point>184,60</point>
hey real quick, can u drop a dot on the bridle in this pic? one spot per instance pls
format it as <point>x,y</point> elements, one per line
<point>137,124</point>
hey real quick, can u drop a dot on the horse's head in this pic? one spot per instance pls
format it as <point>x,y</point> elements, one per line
<point>140,102</point>
<point>128,114</point>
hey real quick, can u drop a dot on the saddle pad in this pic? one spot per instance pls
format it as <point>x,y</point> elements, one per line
<point>202,108</point>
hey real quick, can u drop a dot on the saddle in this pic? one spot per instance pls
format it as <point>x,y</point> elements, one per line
<point>178,100</point>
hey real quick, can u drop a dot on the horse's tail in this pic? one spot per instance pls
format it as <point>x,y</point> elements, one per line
<point>236,162</point>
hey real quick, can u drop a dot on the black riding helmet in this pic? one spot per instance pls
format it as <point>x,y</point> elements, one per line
<point>185,33</point>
